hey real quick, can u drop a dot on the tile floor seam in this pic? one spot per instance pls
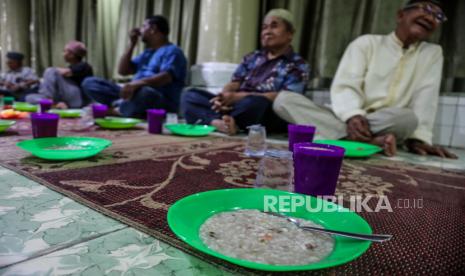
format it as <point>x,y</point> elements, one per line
<point>451,139</point>
<point>57,248</point>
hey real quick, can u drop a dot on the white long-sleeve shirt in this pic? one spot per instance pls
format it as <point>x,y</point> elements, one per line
<point>376,72</point>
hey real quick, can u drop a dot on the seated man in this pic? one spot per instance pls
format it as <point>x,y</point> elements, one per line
<point>62,85</point>
<point>19,80</point>
<point>386,87</point>
<point>160,72</point>
<point>248,98</point>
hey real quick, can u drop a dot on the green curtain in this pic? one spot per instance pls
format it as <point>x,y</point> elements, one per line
<point>107,31</point>
<point>93,22</point>
<point>14,28</point>
<point>55,23</point>
<point>212,30</point>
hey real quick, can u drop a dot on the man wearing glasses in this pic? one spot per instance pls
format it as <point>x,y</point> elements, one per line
<point>386,88</point>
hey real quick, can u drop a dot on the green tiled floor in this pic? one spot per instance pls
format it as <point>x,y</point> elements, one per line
<point>44,233</point>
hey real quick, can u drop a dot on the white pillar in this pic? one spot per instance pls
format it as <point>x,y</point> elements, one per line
<point>15,19</point>
<point>228,30</point>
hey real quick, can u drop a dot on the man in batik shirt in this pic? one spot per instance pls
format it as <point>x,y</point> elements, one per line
<point>248,98</point>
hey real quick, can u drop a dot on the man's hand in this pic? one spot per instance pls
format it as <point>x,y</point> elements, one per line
<point>422,148</point>
<point>358,129</point>
<point>134,35</point>
<point>229,98</point>
<point>218,106</point>
<point>12,87</point>
<point>225,100</point>
<point>65,72</point>
<point>129,89</point>
<point>15,88</point>
<point>61,105</point>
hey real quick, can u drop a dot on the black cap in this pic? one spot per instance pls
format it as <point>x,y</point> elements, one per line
<point>438,3</point>
<point>15,56</point>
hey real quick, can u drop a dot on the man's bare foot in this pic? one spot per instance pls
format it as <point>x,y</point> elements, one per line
<point>387,142</point>
<point>112,111</point>
<point>227,125</point>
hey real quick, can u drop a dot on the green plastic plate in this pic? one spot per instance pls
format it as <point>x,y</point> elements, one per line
<point>67,113</point>
<point>117,123</point>
<point>5,124</point>
<point>190,130</point>
<point>64,148</point>
<point>21,106</point>
<point>186,216</point>
<point>353,149</point>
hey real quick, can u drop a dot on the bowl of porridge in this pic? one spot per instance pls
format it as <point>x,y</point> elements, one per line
<point>231,225</point>
<point>64,148</point>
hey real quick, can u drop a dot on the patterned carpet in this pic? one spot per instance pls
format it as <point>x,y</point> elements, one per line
<point>141,175</point>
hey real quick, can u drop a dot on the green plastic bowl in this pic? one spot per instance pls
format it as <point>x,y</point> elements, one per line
<point>117,123</point>
<point>190,130</point>
<point>67,113</point>
<point>353,149</point>
<point>5,124</point>
<point>186,216</point>
<point>22,106</point>
<point>64,148</point>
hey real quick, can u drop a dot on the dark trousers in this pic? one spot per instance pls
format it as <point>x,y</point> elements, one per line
<point>251,110</point>
<point>107,92</point>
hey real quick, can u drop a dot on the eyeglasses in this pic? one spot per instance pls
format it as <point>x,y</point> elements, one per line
<point>439,16</point>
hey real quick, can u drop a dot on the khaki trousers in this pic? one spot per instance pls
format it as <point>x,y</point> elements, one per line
<point>298,109</point>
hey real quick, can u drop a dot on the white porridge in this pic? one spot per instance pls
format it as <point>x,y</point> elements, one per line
<point>258,237</point>
<point>66,147</point>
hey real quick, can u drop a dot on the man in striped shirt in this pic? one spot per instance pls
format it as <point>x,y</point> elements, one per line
<point>19,80</point>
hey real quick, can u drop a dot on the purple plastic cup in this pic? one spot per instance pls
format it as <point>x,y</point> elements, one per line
<point>316,168</point>
<point>155,118</point>
<point>99,110</point>
<point>45,105</point>
<point>44,124</point>
<point>300,134</point>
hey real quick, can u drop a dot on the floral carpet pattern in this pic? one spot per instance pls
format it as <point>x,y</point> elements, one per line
<point>141,175</point>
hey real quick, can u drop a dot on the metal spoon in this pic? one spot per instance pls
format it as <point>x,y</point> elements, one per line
<point>196,123</point>
<point>365,237</point>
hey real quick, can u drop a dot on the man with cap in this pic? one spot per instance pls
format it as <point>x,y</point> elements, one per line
<point>62,85</point>
<point>262,75</point>
<point>159,73</point>
<point>386,88</point>
<point>19,80</point>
